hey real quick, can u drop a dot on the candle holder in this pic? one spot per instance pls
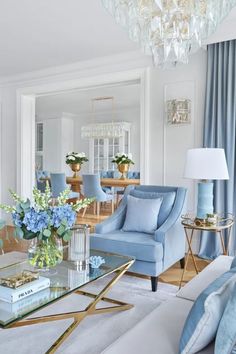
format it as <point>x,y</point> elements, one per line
<point>78,251</point>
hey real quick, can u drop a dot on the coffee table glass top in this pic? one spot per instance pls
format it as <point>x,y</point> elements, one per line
<point>64,280</point>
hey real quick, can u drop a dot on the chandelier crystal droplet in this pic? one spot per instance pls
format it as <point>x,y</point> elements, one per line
<point>170,30</point>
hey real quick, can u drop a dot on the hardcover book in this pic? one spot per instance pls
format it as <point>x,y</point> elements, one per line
<point>13,295</point>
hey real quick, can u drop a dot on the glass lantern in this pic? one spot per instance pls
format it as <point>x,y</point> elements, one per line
<point>78,251</point>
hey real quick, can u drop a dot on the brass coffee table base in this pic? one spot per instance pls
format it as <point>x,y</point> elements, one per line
<point>78,316</point>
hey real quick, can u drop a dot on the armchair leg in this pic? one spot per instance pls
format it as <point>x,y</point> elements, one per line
<point>154,282</point>
<point>182,262</point>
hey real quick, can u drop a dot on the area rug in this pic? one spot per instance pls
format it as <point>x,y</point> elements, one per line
<point>95,332</point>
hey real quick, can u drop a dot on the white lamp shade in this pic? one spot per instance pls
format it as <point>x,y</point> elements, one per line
<point>206,164</point>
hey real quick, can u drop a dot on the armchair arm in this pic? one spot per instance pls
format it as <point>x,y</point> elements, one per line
<point>171,233</point>
<point>116,220</point>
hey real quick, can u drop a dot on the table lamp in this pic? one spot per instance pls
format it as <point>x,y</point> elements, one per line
<point>206,165</point>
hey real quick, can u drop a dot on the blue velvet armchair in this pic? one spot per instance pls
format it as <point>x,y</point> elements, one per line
<point>154,253</point>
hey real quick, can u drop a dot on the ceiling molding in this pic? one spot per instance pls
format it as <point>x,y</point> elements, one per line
<point>77,68</point>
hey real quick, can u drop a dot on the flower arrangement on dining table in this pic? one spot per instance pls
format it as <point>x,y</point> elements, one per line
<point>76,158</point>
<point>122,158</point>
<point>123,162</point>
<point>47,223</point>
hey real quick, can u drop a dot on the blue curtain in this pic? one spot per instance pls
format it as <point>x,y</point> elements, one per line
<point>220,132</point>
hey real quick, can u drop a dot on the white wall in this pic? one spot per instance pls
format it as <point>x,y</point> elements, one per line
<point>169,143</point>
<point>173,147</point>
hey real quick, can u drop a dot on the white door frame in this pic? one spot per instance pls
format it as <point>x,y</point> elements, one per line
<point>26,120</point>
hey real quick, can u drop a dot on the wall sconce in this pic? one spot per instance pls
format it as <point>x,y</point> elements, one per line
<point>178,111</point>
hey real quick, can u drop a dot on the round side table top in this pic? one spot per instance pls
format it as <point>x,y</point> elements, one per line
<point>224,221</point>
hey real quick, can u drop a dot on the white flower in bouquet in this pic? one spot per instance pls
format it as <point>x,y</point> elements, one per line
<point>76,157</point>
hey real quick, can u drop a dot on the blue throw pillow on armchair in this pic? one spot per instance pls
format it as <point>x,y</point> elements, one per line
<point>142,214</point>
<point>166,205</point>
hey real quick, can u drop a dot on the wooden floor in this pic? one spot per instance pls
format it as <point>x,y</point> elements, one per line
<point>171,276</point>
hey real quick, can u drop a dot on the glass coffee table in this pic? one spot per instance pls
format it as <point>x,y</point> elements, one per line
<point>64,281</point>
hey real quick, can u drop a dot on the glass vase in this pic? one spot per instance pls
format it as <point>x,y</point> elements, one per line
<point>45,254</point>
<point>78,251</point>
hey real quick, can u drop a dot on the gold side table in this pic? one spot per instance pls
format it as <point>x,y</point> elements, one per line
<point>190,224</point>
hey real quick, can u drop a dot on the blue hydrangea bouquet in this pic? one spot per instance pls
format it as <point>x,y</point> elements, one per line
<point>45,224</point>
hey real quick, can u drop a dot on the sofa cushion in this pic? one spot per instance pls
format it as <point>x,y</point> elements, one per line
<point>166,205</point>
<point>203,320</point>
<point>216,268</point>
<point>158,332</point>
<point>141,246</point>
<point>142,214</point>
<point>226,334</point>
<point>233,264</point>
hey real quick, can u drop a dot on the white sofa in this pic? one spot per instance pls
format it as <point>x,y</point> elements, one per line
<point>160,331</point>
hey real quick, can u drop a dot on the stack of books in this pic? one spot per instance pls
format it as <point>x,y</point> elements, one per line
<point>10,293</point>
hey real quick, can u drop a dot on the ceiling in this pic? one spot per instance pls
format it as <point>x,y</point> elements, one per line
<point>79,102</point>
<point>37,34</point>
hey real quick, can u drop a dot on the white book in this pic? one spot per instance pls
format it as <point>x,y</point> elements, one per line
<point>13,295</point>
<point>24,306</point>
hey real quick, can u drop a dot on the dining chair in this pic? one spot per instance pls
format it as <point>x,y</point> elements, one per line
<point>41,185</point>
<point>58,185</point>
<point>92,189</point>
<point>120,192</point>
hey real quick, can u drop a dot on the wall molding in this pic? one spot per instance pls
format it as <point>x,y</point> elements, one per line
<point>81,68</point>
<point>26,119</point>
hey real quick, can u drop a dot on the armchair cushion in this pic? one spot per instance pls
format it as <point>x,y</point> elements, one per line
<point>166,205</point>
<point>141,246</point>
<point>142,214</point>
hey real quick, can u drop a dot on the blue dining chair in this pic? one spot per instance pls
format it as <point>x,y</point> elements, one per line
<point>41,185</point>
<point>92,189</point>
<point>58,185</point>
<point>120,192</point>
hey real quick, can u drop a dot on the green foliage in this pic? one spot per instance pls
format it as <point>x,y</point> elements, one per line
<point>122,158</point>
<point>76,157</point>
<point>63,196</point>
<point>42,208</point>
<point>42,200</point>
<point>82,203</point>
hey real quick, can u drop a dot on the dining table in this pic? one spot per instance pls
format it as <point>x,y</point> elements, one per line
<point>76,182</point>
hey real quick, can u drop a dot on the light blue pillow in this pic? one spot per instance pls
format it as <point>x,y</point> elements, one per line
<point>142,214</point>
<point>166,205</point>
<point>202,322</point>
<point>226,335</point>
<point>233,264</point>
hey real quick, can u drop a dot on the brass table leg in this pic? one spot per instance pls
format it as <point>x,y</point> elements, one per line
<point>190,252</point>
<point>229,237</point>
<point>78,316</point>
<point>222,242</point>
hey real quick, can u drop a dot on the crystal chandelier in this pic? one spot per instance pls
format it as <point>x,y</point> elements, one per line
<point>104,130</point>
<point>170,30</point>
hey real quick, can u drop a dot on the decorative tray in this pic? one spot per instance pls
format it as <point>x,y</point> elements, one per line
<point>17,280</point>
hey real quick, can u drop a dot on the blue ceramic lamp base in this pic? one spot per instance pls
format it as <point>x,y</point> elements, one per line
<point>205,199</point>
